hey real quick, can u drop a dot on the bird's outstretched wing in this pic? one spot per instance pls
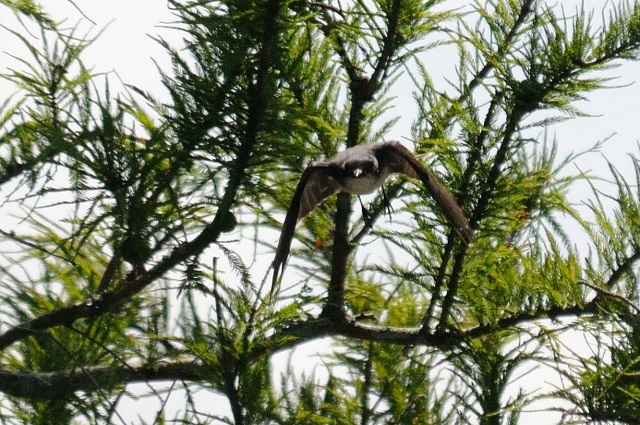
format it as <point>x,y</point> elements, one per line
<point>314,186</point>
<point>401,160</point>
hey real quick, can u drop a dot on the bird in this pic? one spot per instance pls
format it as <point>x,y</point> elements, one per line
<point>360,170</point>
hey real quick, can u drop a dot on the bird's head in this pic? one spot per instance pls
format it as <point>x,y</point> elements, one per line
<point>359,169</point>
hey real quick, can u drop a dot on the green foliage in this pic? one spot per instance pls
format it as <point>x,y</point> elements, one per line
<point>30,9</point>
<point>141,228</point>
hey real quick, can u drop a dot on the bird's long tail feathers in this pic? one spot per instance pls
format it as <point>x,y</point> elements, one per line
<point>448,205</point>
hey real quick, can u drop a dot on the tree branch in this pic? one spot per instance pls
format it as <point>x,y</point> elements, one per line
<point>138,281</point>
<point>622,269</point>
<point>525,10</point>
<point>334,306</point>
<point>54,385</point>
<point>530,316</point>
<point>351,328</point>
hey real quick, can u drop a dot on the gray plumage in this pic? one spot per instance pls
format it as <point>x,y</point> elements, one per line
<point>360,170</point>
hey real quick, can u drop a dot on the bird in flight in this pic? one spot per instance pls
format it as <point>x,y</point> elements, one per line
<point>360,170</point>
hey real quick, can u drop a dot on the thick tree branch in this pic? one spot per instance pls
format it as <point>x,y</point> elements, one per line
<point>53,385</point>
<point>334,306</point>
<point>322,327</point>
<point>361,90</point>
<point>326,326</point>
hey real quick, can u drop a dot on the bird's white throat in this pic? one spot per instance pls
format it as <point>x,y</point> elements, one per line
<point>364,184</point>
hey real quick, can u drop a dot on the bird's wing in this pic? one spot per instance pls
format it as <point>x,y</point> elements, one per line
<point>401,160</point>
<point>314,186</point>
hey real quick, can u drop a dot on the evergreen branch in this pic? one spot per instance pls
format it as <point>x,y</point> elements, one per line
<point>525,11</point>
<point>362,90</point>
<point>438,285</point>
<point>30,9</point>
<point>137,280</point>
<point>552,313</point>
<point>479,211</point>
<point>327,326</point>
<point>349,327</point>
<point>388,43</point>
<point>623,268</point>
<point>474,162</point>
<point>604,292</point>
<point>21,241</point>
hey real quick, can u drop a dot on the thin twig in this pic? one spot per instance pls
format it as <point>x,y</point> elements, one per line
<point>610,294</point>
<point>15,238</point>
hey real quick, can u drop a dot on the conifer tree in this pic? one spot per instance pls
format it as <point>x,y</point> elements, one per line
<point>139,230</point>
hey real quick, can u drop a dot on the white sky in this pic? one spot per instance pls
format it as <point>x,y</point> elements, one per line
<point>126,48</point>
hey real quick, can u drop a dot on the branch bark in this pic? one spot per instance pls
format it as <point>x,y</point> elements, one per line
<point>52,385</point>
<point>55,385</point>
